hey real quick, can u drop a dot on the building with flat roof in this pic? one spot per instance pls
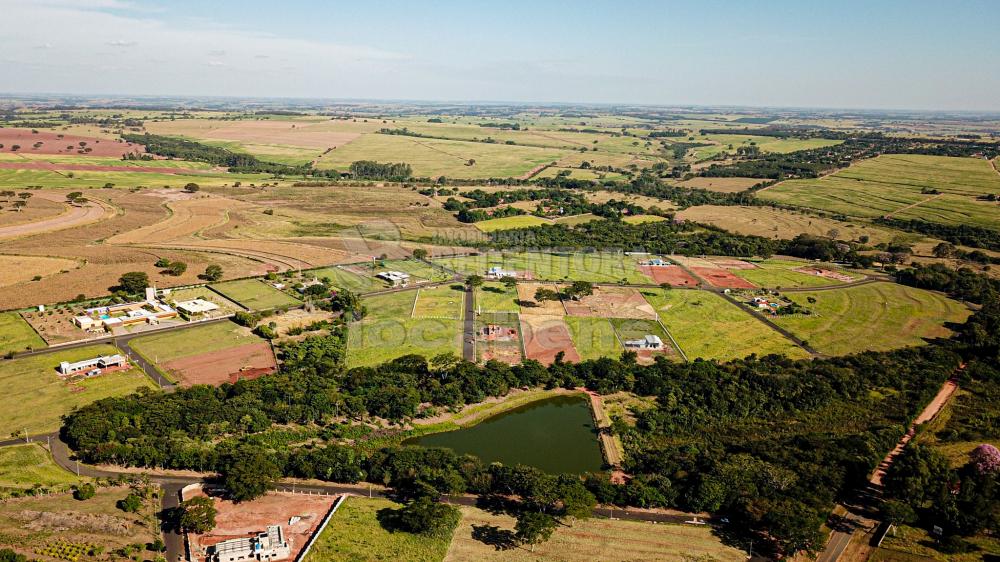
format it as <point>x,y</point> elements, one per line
<point>196,306</point>
<point>396,278</point>
<point>102,362</point>
<point>648,342</point>
<point>265,545</point>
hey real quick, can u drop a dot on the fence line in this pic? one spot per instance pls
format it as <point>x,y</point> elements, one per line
<point>319,530</point>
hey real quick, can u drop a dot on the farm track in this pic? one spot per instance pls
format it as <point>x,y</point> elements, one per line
<point>912,205</point>
<point>75,216</point>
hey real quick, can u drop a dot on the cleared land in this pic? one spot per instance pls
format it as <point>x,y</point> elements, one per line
<point>389,331</point>
<point>778,273</point>
<point>594,338</point>
<point>442,301</point>
<point>36,397</point>
<point>611,302</point>
<point>547,336</point>
<point>355,534</point>
<point>255,294</point>
<point>723,185</point>
<point>642,219</point>
<point>74,215</point>
<point>345,279</point>
<point>16,334</point>
<point>498,337</point>
<point>20,269</point>
<point>902,186</point>
<point>507,223</point>
<point>592,539</point>
<point>779,223</point>
<point>59,143</point>
<point>496,297</point>
<point>596,267</point>
<point>22,466</point>
<point>877,316</point>
<point>706,325</point>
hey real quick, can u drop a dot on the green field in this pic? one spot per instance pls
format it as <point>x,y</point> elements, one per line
<point>495,297</point>
<point>877,316</point>
<point>343,279</point>
<point>777,273</point>
<point>22,466</point>
<point>436,157</point>
<point>16,334</point>
<point>706,325</point>
<point>14,178</point>
<point>443,301</point>
<point>254,294</point>
<point>892,184</point>
<point>596,267</point>
<point>634,328</point>
<point>507,223</point>
<point>37,398</point>
<point>766,144</point>
<point>354,534</point>
<point>418,270</point>
<point>389,331</point>
<point>594,338</point>
<point>192,341</point>
<point>642,219</point>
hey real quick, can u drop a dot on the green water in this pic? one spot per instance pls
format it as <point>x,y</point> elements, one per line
<point>555,435</point>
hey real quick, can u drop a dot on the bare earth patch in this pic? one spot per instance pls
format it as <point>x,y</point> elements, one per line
<point>229,365</point>
<point>545,337</point>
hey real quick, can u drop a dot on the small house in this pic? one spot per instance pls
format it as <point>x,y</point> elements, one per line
<point>648,342</point>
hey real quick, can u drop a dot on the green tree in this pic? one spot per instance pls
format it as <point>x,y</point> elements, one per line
<point>162,262</point>
<point>249,473</point>
<point>212,273</point>
<point>426,517</point>
<point>132,503</point>
<point>419,253</point>
<point>176,268</point>
<point>474,281</point>
<point>197,515</point>
<point>191,187</point>
<point>534,528</point>
<point>133,282</point>
<point>84,491</point>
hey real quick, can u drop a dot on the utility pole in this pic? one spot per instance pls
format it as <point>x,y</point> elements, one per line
<point>26,438</point>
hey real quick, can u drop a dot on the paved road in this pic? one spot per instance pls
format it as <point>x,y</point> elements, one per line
<point>469,330</point>
<point>767,321</point>
<point>173,540</point>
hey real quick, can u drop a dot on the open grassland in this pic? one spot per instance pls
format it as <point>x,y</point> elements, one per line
<point>596,267</point>
<point>343,279</point>
<point>577,173</point>
<point>730,143</point>
<point>778,273</point>
<point>255,294</point>
<point>594,338</point>
<point>22,466</point>
<point>779,223</point>
<point>442,301</point>
<point>20,269</point>
<point>912,544</point>
<point>877,316</point>
<point>722,185</point>
<point>418,270</point>
<point>355,534</point>
<point>63,176</point>
<point>706,325</point>
<point>436,157</point>
<point>507,223</point>
<point>642,219</point>
<point>592,539</point>
<point>496,297</point>
<point>193,341</point>
<point>36,397</point>
<point>900,185</point>
<point>390,331</point>
<point>16,334</point>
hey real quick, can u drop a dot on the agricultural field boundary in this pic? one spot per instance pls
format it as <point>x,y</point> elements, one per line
<point>677,346</point>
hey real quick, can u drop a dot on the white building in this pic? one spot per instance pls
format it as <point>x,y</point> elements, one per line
<point>396,278</point>
<point>266,545</point>
<point>102,362</point>
<point>196,306</point>
<point>648,342</point>
<point>497,272</point>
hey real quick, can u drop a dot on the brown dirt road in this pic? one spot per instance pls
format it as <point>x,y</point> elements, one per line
<point>91,212</point>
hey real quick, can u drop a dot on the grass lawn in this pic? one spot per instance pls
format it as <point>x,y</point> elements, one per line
<point>440,302</point>
<point>596,267</point>
<point>495,297</point>
<point>355,535</point>
<point>193,341</point>
<point>418,270</point>
<point>36,398</point>
<point>343,279</point>
<point>389,331</point>
<point>913,544</point>
<point>893,184</point>
<point>877,316</point>
<point>390,305</point>
<point>706,325</point>
<point>16,334</point>
<point>775,273</point>
<point>641,219</point>
<point>594,338</point>
<point>507,223</point>
<point>254,294</point>
<point>593,539</point>
<point>22,466</point>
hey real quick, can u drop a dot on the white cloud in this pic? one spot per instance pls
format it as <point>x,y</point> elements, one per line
<point>121,43</point>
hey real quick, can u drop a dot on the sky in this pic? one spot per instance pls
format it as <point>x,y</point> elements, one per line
<point>846,54</point>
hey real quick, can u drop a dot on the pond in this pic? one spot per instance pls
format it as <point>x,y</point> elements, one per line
<point>555,435</point>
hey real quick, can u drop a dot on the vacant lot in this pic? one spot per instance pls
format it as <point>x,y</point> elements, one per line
<point>722,278</point>
<point>36,397</point>
<point>594,338</point>
<point>209,354</point>
<point>389,331</point>
<point>777,273</point>
<point>344,279</point>
<point>22,466</point>
<point>706,325</point>
<point>507,223</point>
<point>21,269</point>
<point>902,186</point>
<point>16,334</point>
<point>876,316</point>
<point>496,297</point>
<point>547,336</point>
<point>723,185</point>
<point>355,534</point>
<point>255,294</point>
<point>611,302</point>
<point>596,267</point>
<point>642,219</point>
<point>443,301</point>
<point>779,223</point>
<point>593,539</point>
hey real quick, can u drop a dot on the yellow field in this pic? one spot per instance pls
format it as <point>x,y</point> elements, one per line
<point>777,223</point>
<point>17,269</point>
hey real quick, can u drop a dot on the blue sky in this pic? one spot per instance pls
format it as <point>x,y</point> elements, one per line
<point>890,54</point>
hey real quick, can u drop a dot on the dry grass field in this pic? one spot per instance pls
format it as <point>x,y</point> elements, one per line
<point>18,269</point>
<point>592,539</point>
<point>778,223</point>
<point>722,185</point>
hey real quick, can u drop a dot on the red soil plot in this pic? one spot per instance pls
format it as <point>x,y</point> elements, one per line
<point>276,508</point>
<point>721,278</point>
<point>729,263</point>
<point>68,144</point>
<point>35,165</point>
<point>249,361</point>
<point>672,274</point>
<point>545,337</point>
<point>612,303</point>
